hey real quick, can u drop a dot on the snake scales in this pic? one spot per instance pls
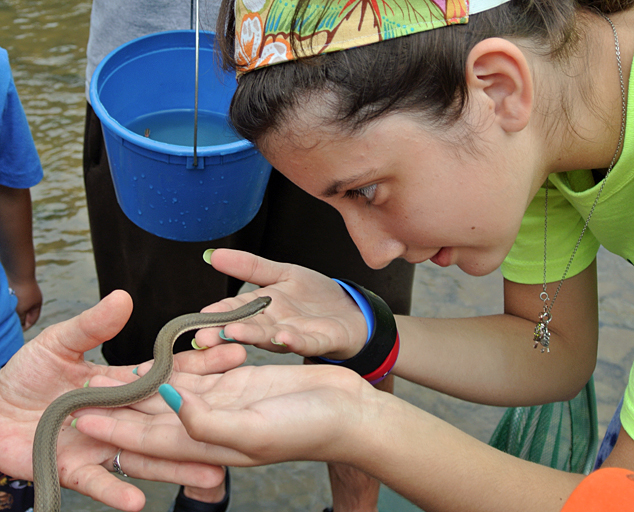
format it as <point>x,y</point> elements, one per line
<point>45,475</point>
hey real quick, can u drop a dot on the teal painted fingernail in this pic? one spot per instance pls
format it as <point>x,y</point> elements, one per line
<point>74,423</point>
<point>224,336</point>
<point>207,255</point>
<point>171,397</point>
<point>196,347</point>
<point>136,371</point>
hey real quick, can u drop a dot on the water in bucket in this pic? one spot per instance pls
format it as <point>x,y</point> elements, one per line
<point>177,127</point>
<point>147,86</point>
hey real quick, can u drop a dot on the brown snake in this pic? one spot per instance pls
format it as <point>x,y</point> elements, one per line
<point>45,475</point>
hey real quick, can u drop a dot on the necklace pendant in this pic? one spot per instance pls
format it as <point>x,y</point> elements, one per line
<point>541,335</point>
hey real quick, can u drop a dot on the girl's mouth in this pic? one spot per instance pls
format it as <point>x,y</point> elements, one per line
<point>442,258</point>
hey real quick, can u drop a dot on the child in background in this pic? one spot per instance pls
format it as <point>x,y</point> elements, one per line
<point>20,295</point>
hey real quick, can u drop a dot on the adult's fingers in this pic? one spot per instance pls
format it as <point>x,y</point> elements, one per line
<point>147,467</point>
<point>165,439</point>
<point>217,359</point>
<point>92,327</point>
<point>153,405</point>
<point>101,484</point>
<point>96,482</point>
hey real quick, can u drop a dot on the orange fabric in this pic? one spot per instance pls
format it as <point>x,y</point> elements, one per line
<point>605,490</point>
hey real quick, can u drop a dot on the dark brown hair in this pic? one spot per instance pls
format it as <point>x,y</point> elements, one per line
<point>423,73</point>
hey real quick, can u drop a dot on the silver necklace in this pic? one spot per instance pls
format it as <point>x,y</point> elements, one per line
<point>541,335</point>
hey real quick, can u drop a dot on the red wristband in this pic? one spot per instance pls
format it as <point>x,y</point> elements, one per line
<point>384,370</point>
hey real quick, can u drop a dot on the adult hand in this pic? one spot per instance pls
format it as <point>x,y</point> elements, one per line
<point>250,416</point>
<point>310,314</point>
<point>52,364</point>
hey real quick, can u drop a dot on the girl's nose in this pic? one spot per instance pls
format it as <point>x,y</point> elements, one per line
<point>377,247</point>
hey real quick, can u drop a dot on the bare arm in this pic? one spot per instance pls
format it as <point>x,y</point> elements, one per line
<point>487,359</point>
<point>491,359</point>
<point>17,253</point>
<point>438,467</point>
<point>254,416</point>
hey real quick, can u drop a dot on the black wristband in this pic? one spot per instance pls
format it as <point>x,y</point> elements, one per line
<point>381,340</point>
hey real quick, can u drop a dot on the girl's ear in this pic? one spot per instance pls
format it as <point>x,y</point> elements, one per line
<point>498,72</point>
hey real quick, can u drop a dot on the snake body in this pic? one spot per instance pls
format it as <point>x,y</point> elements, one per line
<point>45,475</point>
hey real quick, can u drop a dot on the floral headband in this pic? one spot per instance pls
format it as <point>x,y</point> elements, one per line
<point>263,27</point>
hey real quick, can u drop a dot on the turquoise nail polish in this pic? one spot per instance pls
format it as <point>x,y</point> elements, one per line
<point>224,336</point>
<point>136,371</point>
<point>171,396</point>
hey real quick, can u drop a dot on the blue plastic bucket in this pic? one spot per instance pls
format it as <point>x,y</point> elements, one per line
<point>150,82</point>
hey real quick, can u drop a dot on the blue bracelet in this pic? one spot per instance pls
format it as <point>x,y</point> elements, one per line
<point>382,332</point>
<point>365,309</point>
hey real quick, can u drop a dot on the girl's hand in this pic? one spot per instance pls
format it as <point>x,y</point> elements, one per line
<point>53,363</point>
<point>310,315</point>
<point>281,413</point>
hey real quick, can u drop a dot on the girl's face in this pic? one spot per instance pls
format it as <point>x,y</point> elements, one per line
<point>405,193</point>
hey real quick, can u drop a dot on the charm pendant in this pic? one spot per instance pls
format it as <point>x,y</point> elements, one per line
<point>541,335</point>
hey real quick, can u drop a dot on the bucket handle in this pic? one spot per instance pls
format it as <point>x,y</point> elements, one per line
<point>196,85</point>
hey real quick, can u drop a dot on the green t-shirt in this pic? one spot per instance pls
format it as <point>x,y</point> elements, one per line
<point>570,198</point>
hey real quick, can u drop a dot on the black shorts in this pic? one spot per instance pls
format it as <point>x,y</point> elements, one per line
<point>15,495</point>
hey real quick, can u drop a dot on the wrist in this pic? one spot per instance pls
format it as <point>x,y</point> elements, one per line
<point>368,317</point>
<point>21,276</point>
<point>378,356</point>
<point>365,433</point>
<point>357,418</point>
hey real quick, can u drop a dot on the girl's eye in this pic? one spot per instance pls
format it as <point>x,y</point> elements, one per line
<point>365,192</point>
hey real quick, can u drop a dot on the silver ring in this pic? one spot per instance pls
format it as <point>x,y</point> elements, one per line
<point>117,465</point>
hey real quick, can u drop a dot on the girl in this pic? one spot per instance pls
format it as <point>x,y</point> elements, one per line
<point>454,144</point>
<point>479,134</point>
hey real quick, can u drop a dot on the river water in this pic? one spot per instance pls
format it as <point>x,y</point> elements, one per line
<point>46,41</point>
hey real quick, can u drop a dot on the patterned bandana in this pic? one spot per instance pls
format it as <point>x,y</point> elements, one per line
<point>263,26</point>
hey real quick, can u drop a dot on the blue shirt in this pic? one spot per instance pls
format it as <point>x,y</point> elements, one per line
<point>19,168</point>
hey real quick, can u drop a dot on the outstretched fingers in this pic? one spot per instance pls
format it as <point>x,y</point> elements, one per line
<point>100,483</point>
<point>162,437</point>
<point>218,359</point>
<point>96,482</point>
<point>249,267</point>
<point>156,469</point>
<point>154,404</point>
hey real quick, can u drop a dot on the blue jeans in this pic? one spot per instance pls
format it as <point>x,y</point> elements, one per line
<point>611,435</point>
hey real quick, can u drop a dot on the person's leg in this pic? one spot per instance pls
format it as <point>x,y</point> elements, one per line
<point>303,230</point>
<point>165,279</point>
